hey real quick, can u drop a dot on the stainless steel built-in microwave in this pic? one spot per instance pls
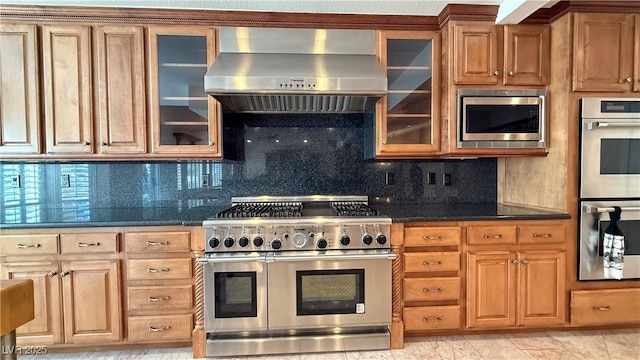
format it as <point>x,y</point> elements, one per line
<point>501,118</point>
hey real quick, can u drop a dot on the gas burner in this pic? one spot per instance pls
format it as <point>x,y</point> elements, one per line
<point>350,208</point>
<point>263,210</point>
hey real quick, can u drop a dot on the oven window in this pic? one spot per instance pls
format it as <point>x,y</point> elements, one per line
<point>502,119</point>
<point>631,231</point>
<point>322,292</point>
<point>235,294</point>
<point>616,156</point>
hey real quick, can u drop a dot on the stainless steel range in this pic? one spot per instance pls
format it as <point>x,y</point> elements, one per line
<point>297,274</point>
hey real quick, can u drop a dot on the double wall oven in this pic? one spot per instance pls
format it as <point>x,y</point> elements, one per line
<point>297,274</point>
<point>609,176</point>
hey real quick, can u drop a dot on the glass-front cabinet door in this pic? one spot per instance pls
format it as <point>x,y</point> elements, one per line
<point>407,123</point>
<point>185,120</point>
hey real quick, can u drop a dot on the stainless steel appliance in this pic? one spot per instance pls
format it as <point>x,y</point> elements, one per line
<point>297,274</point>
<point>501,118</point>
<point>609,176</point>
<point>261,70</point>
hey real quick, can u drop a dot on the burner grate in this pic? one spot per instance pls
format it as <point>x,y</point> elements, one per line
<point>353,209</point>
<point>267,210</point>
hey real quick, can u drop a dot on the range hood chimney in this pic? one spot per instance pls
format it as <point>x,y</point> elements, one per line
<point>267,70</point>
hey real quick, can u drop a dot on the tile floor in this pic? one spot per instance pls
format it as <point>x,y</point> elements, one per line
<point>560,345</point>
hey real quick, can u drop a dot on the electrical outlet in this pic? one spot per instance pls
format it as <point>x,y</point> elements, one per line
<point>431,178</point>
<point>206,180</point>
<point>446,179</point>
<point>389,178</point>
<point>15,181</point>
<point>65,180</point>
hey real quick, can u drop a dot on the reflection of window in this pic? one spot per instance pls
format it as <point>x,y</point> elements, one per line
<point>198,175</point>
<point>22,204</point>
<point>74,200</point>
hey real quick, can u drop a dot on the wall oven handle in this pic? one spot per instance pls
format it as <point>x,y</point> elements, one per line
<point>600,124</point>
<point>292,258</point>
<point>223,260</point>
<point>595,209</point>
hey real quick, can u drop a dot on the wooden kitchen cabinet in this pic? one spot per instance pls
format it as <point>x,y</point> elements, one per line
<point>606,51</point>
<point>407,118</point>
<point>20,100</point>
<point>486,54</point>
<point>184,119</point>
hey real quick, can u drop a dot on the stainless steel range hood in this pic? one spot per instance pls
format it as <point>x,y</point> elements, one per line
<point>260,70</point>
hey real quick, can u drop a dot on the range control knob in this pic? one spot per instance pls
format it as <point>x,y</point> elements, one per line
<point>258,241</point>
<point>276,244</point>
<point>214,242</point>
<point>321,243</point>
<point>367,239</point>
<point>228,241</point>
<point>243,241</point>
<point>345,240</point>
<point>381,239</point>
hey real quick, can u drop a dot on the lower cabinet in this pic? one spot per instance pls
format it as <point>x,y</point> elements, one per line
<point>603,307</point>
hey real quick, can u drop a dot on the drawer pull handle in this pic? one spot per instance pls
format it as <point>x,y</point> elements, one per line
<point>542,235</point>
<point>88,244</point>
<point>152,270</point>
<point>602,308</point>
<point>427,290</point>
<point>156,243</point>
<point>154,299</point>
<point>437,237</point>
<point>426,263</point>
<point>23,246</point>
<point>499,236</point>
<point>430,319</point>
<point>155,329</point>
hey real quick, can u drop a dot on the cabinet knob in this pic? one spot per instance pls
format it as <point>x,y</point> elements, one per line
<point>510,73</point>
<point>514,262</point>
<point>52,274</point>
<point>384,142</point>
<point>629,79</point>
<point>496,73</point>
<point>86,143</point>
<point>103,143</point>
<point>64,274</point>
<point>211,143</point>
<point>525,262</point>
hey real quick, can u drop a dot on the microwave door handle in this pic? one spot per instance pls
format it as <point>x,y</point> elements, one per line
<point>595,209</point>
<point>600,124</point>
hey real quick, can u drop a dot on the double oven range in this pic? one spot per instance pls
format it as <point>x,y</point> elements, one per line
<point>297,274</point>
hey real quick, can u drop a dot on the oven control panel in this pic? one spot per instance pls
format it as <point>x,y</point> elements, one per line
<point>234,238</point>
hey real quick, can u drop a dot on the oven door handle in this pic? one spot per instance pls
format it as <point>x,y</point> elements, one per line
<point>594,209</point>
<point>295,258</point>
<point>227,260</point>
<point>600,124</point>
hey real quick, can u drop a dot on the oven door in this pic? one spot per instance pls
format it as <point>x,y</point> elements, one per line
<point>235,292</point>
<point>334,289</point>
<point>610,165</point>
<point>594,220</point>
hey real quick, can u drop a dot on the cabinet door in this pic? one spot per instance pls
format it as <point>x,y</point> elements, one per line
<point>491,289</point>
<point>66,58</point>
<point>184,119</point>
<point>475,54</point>
<point>46,327</point>
<point>19,103</point>
<point>120,106</point>
<point>408,116</point>
<point>527,54</point>
<point>603,50</point>
<point>636,84</point>
<point>91,301</point>
<point>541,298</point>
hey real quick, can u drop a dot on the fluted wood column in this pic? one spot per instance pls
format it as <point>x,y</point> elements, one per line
<point>198,336</point>
<point>397,325</point>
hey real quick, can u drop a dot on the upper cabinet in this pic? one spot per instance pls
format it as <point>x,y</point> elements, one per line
<point>20,102</point>
<point>184,119</point>
<point>486,54</point>
<point>606,51</point>
<point>407,123</point>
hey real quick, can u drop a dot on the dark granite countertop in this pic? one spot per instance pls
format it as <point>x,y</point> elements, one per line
<point>167,215</point>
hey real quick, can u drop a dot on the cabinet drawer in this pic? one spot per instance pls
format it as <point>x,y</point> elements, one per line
<point>176,297</point>
<point>437,288</point>
<point>432,236</point>
<point>160,327</point>
<point>432,261</point>
<point>540,234</point>
<point>88,243</point>
<point>145,269</point>
<point>158,241</point>
<point>485,235</point>
<point>431,317</point>
<point>598,307</point>
<point>29,244</point>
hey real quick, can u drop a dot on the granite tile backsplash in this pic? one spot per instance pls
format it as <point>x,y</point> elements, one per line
<point>265,155</point>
